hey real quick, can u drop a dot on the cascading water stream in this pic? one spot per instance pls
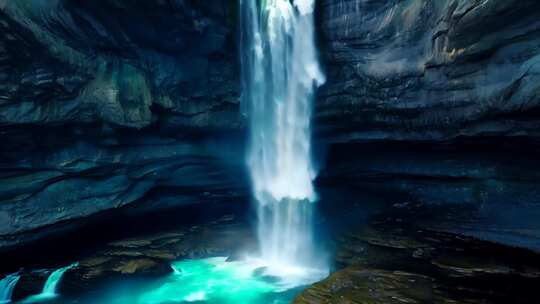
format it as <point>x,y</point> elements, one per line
<point>280,73</point>
<point>51,285</point>
<point>7,285</point>
<point>50,289</point>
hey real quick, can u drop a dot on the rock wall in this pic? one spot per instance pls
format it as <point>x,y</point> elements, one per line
<point>429,70</point>
<point>122,65</point>
<point>436,102</point>
<point>110,104</point>
<point>106,104</point>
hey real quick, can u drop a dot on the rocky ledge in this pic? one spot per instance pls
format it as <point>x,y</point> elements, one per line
<point>490,185</point>
<point>396,259</point>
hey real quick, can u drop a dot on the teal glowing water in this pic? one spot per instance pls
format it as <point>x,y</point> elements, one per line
<point>7,285</point>
<point>211,280</point>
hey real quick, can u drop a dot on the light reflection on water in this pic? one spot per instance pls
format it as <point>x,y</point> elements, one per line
<point>212,280</point>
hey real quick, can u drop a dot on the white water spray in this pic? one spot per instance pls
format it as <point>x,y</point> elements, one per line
<point>7,285</point>
<point>280,74</point>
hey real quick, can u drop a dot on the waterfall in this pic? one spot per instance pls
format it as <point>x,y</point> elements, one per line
<point>51,285</point>
<point>7,285</point>
<point>280,72</point>
<point>49,290</point>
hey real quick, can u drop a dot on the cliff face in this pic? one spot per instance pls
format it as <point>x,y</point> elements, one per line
<point>104,105</point>
<point>172,62</point>
<point>436,103</point>
<point>429,70</point>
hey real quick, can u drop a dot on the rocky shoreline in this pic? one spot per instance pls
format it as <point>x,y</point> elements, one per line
<point>398,258</point>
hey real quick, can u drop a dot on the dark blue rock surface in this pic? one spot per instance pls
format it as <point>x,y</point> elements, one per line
<point>108,104</point>
<point>429,70</point>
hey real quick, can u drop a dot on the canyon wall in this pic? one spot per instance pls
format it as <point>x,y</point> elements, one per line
<point>106,105</point>
<point>429,70</point>
<point>437,103</point>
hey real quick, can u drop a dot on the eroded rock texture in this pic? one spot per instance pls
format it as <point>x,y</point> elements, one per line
<point>495,184</point>
<point>107,61</point>
<point>110,103</point>
<point>411,84</point>
<point>429,70</point>
<point>107,103</point>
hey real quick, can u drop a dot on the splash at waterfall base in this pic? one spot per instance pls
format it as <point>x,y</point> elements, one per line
<point>286,241</point>
<point>212,280</point>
